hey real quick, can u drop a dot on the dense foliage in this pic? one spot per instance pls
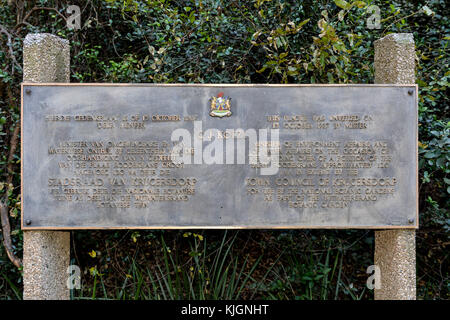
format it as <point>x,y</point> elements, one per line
<point>214,41</point>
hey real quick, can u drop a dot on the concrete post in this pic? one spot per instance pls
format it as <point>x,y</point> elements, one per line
<point>395,250</point>
<point>46,254</point>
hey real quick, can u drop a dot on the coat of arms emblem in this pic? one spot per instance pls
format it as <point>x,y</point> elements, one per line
<point>220,106</point>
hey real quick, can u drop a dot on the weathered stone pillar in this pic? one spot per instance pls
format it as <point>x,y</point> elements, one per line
<point>46,254</point>
<point>395,250</point>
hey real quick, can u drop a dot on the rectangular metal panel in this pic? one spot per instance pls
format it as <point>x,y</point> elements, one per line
<point>98,156</point>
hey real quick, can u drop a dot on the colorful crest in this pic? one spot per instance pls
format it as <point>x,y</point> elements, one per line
<point>220,106</point>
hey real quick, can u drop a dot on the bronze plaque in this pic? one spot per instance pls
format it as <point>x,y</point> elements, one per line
<point>110,156</point>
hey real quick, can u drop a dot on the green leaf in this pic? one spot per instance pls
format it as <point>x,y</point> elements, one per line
<point>430,155</point>
<point>427,11</point>
<point>301,24</point>
<point>342,4</point>
<point>330,77</point>
<point>359,4</point>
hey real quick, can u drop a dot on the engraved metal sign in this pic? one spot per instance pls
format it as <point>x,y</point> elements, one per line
<point>111,156</point>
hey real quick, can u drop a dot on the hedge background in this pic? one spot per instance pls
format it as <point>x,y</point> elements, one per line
<point>213,41</point>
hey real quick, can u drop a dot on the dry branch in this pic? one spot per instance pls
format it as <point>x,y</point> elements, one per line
<point>7,235</point>
<point>10,48</point>
<point>6,227</point>
<point>24,20</point>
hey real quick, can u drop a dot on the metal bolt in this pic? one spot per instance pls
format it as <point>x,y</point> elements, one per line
<point>28,222</point>
<point>28,91</point>
<point>410,92</point>
<point>410,221</point>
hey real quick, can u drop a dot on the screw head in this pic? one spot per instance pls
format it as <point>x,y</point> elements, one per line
<point>410,221</point>
<point>28,222</point>
<point>28,91</point>
<point>410,92</point>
